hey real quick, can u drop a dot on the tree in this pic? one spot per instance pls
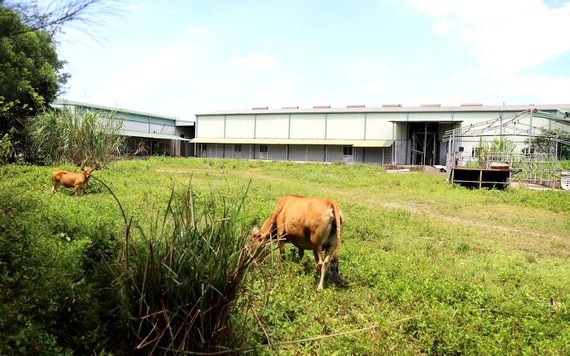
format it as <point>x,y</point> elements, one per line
<point>29,70</point>
<point>51,17</point>
<point>31,74</point>
<point>551,141</point>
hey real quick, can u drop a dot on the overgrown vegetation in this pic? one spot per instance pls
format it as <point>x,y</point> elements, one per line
<point>31,74</point>
<point>432,268</point>
<point>66,136</point>
<point>184,272</point>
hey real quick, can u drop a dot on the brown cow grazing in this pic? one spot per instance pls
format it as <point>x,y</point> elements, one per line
<point>72,179</point>
<point>309,223</point>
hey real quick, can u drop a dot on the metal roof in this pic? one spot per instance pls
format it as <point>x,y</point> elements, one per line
<point>175,121</point>
<point>271,141</point>
<point>391,109</point>
<point>152,135</point>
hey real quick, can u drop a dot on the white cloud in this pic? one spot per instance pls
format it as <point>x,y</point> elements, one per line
<point>147,80</point>
<point>444,26</point>
<point>200,30</point>
<point>541,88</point>
<point>133,7</point>
<point>508,35</point>
<point>255,61</point>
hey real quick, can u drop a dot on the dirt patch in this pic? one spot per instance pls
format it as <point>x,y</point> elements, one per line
<point>414,168</point>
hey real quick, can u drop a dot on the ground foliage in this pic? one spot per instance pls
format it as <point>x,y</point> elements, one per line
<point>432,268</point>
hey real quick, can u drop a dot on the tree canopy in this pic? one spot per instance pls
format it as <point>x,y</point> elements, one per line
<point>30,70</point>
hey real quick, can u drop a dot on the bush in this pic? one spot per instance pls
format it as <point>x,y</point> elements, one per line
<point>184,273</point>
<point>49,301</point>
<point>63,136</point>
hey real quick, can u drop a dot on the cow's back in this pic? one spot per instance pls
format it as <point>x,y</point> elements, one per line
<point>58,175</point>
<point>304,218</point>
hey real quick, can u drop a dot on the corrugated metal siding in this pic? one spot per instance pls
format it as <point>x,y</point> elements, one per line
<point>429,116</point>
<point>307,126</point>
<point>375,155</point>
<point>277,152</point>
<point>135,126</point>
<point>468,118</point>
<point>272,126</point>
<point>240,126</point>
<point>210,126</point>
<point>162,129</point>
<point>334,154</point>
<point>380,126</point>
<point>346,126</point>
<point>298,153</point>
<point>315,153</point>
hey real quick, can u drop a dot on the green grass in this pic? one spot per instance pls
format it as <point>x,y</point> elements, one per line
<point>432,268</point>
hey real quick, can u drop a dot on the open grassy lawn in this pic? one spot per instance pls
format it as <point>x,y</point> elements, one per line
<point>432,268</point>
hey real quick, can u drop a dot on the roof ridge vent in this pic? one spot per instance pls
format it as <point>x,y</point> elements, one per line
<point>471,104</point>
<point>290,107</point>
<point>431,105</point>
<point>260,108</point>
<point>321,107</point>
<point>355,106</point>
<point>392,105</point>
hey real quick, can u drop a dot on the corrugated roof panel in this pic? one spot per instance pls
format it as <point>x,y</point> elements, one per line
<point>261,141</point>
<point>152,135</point>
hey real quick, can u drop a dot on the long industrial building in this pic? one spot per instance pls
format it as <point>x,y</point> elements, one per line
<point>145,133</point>
<point>390,134</point>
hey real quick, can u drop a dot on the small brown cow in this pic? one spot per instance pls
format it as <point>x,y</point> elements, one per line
<point>309,223</point>
<point>72,179</point>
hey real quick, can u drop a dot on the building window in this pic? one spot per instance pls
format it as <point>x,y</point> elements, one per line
<point>347,150</point>
<point>263,148</point>
<point>237,148</point>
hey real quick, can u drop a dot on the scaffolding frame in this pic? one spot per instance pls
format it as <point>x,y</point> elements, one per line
<point>529,167</point>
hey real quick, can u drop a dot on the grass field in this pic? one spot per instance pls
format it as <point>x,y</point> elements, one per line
<point>432,268</point>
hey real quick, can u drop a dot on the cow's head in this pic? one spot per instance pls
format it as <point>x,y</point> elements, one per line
<point>257,238</point>
<point>259,244</point>
<point>87,171</point>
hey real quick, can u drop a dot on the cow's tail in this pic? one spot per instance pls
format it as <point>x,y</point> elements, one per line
<point>334,261</point>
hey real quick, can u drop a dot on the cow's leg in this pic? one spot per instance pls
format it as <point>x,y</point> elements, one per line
<point>55,186</point>
<point>321,266</point>
<point>281,244</point>
<point>76,189</point>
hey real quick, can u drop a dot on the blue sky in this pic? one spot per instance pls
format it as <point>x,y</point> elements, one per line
<point>182,57</point>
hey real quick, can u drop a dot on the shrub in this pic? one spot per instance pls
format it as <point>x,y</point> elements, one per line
<point>63,136</point>
<point>183,274</point>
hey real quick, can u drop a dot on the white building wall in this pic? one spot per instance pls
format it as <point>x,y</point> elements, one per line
<point>272,126</point>
<point>345,126</point>
<point>380,126</point>
<point>307,126</point>
<point>210,126</point>
<point>240,126</point>
<point>429,116</point>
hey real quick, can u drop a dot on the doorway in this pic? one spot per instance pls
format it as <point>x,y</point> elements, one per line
<point>424,143</point>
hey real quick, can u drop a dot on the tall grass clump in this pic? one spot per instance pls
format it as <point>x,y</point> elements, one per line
<point>64,136</point>
<point>183,274</point>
